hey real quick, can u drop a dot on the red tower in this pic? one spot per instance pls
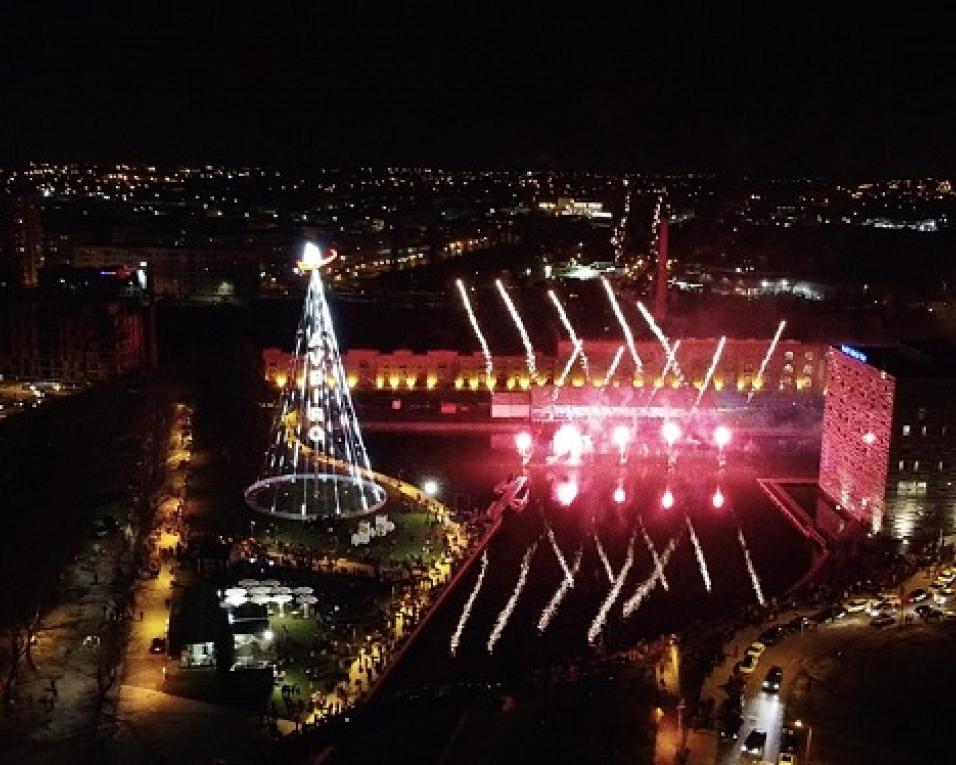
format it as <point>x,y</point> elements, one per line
<point>660,297</point>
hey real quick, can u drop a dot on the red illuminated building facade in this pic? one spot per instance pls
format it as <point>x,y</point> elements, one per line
<point>70,340</point>
<point>888,454</point>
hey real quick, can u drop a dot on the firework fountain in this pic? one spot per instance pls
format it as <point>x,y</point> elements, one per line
<point>566,584</point>
<point>758,379</point>
<point>519,325</point>
<point>658,560</point>
<point>754,579</point>
<point>489,365</point>
<point>597,626</point>
<point>657,575</point>
<point>615,363</point>
<point>699,552</point>
<point>466,611</point>
<point>628,335</point>
<point>670,352</point>
<point>502,621</point>
<point>710,370</point>
<point>603,557</point>
<point>575,340</point>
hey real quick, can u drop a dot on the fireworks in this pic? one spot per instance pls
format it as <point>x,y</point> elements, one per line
<point>515,316</point>
<point>466,611</point>
<point>604,559</point>
<point>578,344</point>
<point>628,336</point>
<point>566,371</point>
<point>645,588</point>
<point>489,366</point>
<point>560,556</point>
<point>597,626</point>
<point>505,615</point>
<point>615,363</point>
<point>658,566</point>
<point>711,369</point>
<point>670,352</point>
<point>699,552</point>
<point>754,579</point>
<point>758,380</point>
<point>566,584</point>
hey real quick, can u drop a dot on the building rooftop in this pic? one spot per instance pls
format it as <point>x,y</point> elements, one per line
<point>927,360</point>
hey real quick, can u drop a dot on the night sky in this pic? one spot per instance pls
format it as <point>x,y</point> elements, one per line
<point>713,86</point>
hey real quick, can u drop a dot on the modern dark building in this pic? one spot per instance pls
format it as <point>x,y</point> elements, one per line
<point>69,339</point>
<point>21,238</point>
<point>889,437</point>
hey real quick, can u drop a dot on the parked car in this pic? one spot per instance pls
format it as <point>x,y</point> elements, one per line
<point>829,614</point>
<point>772,635</point>
<point>747,665</point>
<point>883,621</point>
<point>157,645</point>
<point>800,623</point>
<point>918,595</point>
<point>856,605</point>
<point>756,649</point>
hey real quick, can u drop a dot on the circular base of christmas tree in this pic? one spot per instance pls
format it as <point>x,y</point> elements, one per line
<point>307,496</point>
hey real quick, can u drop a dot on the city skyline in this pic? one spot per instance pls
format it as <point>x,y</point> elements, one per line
<point>735,90</point>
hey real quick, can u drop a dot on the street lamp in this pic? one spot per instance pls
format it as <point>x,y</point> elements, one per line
<point>430,487</point>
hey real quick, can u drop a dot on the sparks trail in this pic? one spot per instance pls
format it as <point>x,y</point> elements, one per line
<point>603,556</point>
<point>670,352</point>
<point>647,586</point>
<point>525,340</point>
<point>502,621</point>
<point>615,363</point>
<point>466,611</point>
<point>559,554</point>
<point>575,340</point>
<point>710,370</point>
<point>597,626</point>
<point>658,567</point>
<point>754,579</point>
<point>566,371</point>
<point>758,380</point>
<point>699,552</point>
<point>489,366</point>
<point>628,336</point>
<point>566,584</point>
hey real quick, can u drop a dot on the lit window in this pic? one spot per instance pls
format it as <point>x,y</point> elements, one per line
<point>939,466</point>
<point>924,430</point>
<point>915,466</point>
<point>906,430</point>
<point>902,466</point>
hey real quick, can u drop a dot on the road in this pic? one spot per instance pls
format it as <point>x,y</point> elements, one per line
<point>842,641</point>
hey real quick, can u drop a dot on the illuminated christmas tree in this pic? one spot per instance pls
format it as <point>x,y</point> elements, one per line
<point>316,464</point>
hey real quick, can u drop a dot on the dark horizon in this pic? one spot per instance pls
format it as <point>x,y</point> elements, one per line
<point>732,91</point>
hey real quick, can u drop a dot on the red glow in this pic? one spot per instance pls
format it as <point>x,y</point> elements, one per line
<point>523,441</point>
<point>721,436</point>
<point>671,432</point>
<point>566,491</point>
<point>567,440</point>
<point>621,436</point>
